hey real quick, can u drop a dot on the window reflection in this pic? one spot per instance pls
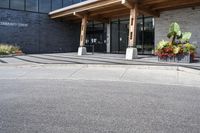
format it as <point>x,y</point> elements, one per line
<point>32,5</point>
<point>4,3</point>
<point>56,4</point>
<point>76,1</point>
<point>43,6</point>
<point>17,4</point>
<point>67,2</point>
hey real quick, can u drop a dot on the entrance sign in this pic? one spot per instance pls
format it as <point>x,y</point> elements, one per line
<point>11,24</point>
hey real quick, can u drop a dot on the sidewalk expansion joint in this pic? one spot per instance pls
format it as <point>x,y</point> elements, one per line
<point>123,74</point>
<point>76,71</point>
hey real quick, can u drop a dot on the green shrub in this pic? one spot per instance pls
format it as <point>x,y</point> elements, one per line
<point>6,49</point>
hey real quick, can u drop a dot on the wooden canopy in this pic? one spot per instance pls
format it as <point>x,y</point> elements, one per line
<point>103,10</point>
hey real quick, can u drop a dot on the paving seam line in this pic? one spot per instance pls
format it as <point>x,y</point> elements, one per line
<point>123,74</point>
<point>76,71</point>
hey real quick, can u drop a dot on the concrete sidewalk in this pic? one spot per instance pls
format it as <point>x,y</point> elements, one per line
<point>96,59</point>
<point>108,67</point>
<point>155,75</point>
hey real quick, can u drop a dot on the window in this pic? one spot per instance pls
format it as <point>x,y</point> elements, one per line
<point>4,3</point>
<point>44,6</point>
<point>56,4</point>
<point>67,2</point>
<point>32,5</point>
<point>17,4</point>
<point>76,1</point>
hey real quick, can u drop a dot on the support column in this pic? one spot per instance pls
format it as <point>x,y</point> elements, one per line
<point>82,49</point>
<point>108,38</point>
<point>131,51</point>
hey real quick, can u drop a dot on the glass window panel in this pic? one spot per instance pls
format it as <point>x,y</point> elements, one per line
<point>17,4</point>
<point>44,6</point>
<point>4,3</point>
<point>114,37</point>
<point>76,1</point>
<point>32,5</point>
<point>148,30</point>
<point>123,35</point>
<point>67,2</point>
<point>56,4</point>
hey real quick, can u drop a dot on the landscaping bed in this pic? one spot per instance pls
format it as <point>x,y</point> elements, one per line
<point>7,50</point>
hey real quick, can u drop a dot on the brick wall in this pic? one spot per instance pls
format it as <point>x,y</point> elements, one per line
<point>37,33</point>
<point>189,20</point>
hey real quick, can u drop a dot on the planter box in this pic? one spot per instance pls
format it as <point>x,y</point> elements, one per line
<point>167,59</point>
<point>185,58</point>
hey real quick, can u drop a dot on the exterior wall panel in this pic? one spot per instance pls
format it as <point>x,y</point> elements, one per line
<point>37,33</point>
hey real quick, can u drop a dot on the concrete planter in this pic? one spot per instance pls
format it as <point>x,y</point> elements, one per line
<point>183,58</point>
<point>166,59</point>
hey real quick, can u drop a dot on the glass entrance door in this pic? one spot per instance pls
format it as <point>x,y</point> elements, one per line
<point>123,36</point>
<point>96,37</point>
<point>119,36</point>
<point>145,35</point>
<point>144,38</point>
<point>114,37</point>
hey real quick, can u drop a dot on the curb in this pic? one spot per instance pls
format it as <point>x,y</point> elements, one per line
<point>147,67</point>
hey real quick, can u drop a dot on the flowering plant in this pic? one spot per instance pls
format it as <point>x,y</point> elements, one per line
<point>178,44</point>
<point>164,49</point>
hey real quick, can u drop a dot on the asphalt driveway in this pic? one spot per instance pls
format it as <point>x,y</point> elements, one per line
<point>98,94</point>
<point>80,106</point>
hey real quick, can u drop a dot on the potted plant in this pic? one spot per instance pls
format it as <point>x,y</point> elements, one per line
<point>178,48</point>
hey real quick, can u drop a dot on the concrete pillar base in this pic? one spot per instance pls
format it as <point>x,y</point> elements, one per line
<point>82,51</point>
<point>131,53</point>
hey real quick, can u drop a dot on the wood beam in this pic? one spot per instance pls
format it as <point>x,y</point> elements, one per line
<point>99,18</point>
<point>128,3</point>
<point>176,3</point>
<point>180,7</point>
<point>108,10</point>
<point>78,15</point>
<point>83,31</point>
<point>116,8</point>
<point>150,2</point>
<point>117,13</point>
<point>133,26</point>
<point>146,11</point>
<point>98,5</point>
